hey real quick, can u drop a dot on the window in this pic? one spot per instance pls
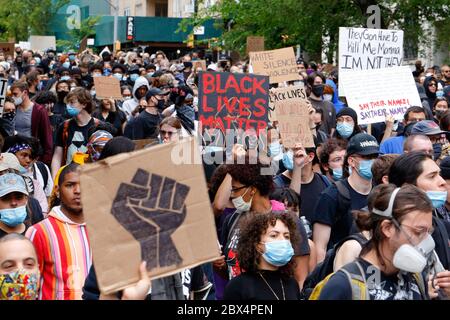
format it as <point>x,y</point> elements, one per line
<point>161,9</point>
<point>126,12</point>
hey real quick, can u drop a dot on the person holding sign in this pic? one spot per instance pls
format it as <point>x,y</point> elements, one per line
<point>345,195</point>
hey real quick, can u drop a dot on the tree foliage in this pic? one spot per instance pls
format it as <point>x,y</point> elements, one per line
<point>87,29</point>
<point>314,25</point>
<point>21,18</point>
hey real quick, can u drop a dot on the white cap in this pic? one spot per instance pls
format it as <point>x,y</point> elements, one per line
<point>212,67</point>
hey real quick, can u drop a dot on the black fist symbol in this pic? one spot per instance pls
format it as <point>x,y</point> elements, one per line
<point>151,208</point>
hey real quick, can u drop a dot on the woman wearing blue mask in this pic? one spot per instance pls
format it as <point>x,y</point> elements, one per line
<point>346,124</point>
<point>265,250</point>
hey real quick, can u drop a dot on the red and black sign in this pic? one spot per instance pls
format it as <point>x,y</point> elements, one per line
<point>233,101</point>
<point>130,28</point>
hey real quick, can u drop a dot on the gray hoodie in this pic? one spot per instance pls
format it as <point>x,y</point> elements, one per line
<point>129,105</point>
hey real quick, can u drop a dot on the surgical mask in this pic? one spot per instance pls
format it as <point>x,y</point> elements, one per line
<point>288,160</point>
<point>38,60</point>
<point>345,129</point>
<point>17,101</point>
<point>118,76</point>
<point>19,285</point>
<point>65,78</point>
<point>94,75</point>
<point>126,98</point>
<point>134,77</point>
<point>411,258</point>
<point>365,169</point>
<point>337,174</point>
<point>72,111</point>
<point>72,58</point>
<point>240,204</point>
<point>317,90</point>
<point>328,97</point>
<point>151,74</point>
<point>66,65</point>
<point>437,150</point>
<point>437,198</point>
<point>274,149</point>
<point>439,94</point>
<point>93,93</point>
<point>14,216</point>
<point>278,253</point>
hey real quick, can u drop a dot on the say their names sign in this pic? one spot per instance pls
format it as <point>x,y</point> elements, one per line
<point>280,65</point>
<point>233,101</point>
<point>278,96</point>
<point>377,93</point>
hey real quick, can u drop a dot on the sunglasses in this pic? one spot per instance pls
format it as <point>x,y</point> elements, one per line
<point>432,85</point>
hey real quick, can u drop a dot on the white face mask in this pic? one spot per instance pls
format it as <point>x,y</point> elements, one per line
<point>327,97</point>
<point>413,258</point>
<point>240,204</point>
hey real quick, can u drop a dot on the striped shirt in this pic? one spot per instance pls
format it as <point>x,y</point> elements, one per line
<point>64,256</point>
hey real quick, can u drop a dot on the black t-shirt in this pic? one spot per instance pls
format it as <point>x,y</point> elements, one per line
<point>230,238</point>
<point>309,192</point>
<point>386,287</point>
<point>326,212</point>
<point>77,138</point>
<point>251,286</point>
<point>145,126</point>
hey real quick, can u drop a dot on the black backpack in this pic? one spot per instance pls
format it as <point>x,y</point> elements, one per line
<point>324,268</point>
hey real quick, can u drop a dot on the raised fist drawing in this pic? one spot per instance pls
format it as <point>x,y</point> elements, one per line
<point>151,208</point>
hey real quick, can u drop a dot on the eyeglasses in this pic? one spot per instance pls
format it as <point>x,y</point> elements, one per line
<point>419,232</point>
<point>234,190</point>
<point>170,133</point>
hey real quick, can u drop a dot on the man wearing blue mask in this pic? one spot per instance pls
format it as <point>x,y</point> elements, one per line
<point>333,218</point>
<point>13,201</point>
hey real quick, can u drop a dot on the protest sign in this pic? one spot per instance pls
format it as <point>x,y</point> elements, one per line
<point>7,48</point>
<point>3,88</point>
<point>377,93</point>
<point>279,95</point>
<point>42,43</point>
<point>83,44</point>
<point>293,123</point>
<point>142,206</point>
<point>255,44</point>
<point>107,88</point>
<point>144,143</point>
<point>362,49</point>
<point>199,64</point>
<point>233,101</point>
<point>280,65</point>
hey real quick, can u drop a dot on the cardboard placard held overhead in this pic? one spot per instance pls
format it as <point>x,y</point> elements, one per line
<point>107,88</point>
<point>293,122</point>
<point>142,206</point>
<point>3,88</point>
<point>255,44</point>
<point>279,95</point>
<point>280,65</point>
<point>233,101</point>
<point>362,49</point>
<point>199,64</point>
<point>377,93</point>
<point>7,48</point>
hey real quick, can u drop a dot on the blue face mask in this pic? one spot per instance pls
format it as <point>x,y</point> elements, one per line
<point>66,65</point>
<point>437,198</point>
<point>38,60</point>
<point>72,58</point>
<point>65,78</point>
<point>437,150</point>
<point>134,77</point>
<point>278,253</point>
<point>345,129</point>
<point>72,111</point>
<point>14,216</point>
<point>365,169</point>
<point>274,149</point>
<point>337,174</point>
<point>118,76</point>
<point>288,160</point>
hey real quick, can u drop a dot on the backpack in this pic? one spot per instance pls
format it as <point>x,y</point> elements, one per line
<point>343,200</point>
<point>357,279</point>
<point>325,268</point>
<point>65,137</point>
<point>43,170</point>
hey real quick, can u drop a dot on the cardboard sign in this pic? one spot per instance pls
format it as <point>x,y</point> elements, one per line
<point>42,43</point>
<point>280,65</point>
<point>3,88</point>
<point>280,95</point>
<point>142,206</point>
<point>362,49</point>
<point>107,88</point>
<point>377,93</point>
<point>293,123</point>
<point>255,44</point>
<point>143,143</point>
<point>83,44</point>
<point>199,64</point>
<point>233,101</point>
<point>7,48</point>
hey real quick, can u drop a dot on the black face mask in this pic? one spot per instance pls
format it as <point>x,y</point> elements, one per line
<point>161,104</point>
<point>437,150</point>
<point>62,95</point>
<point>317,90</point>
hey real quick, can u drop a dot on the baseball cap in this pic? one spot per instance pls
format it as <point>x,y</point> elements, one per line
<point>10,161</point>
<point>426,127</point>
<point>12,182</point>
<point>363,144</point>
<point>445,168</point>
<point>212,67</point>
<point>155,92</point>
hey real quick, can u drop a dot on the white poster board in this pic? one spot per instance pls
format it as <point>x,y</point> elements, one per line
<point>42,43</point>
<point>362,49</point>
<point>376,93</point>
